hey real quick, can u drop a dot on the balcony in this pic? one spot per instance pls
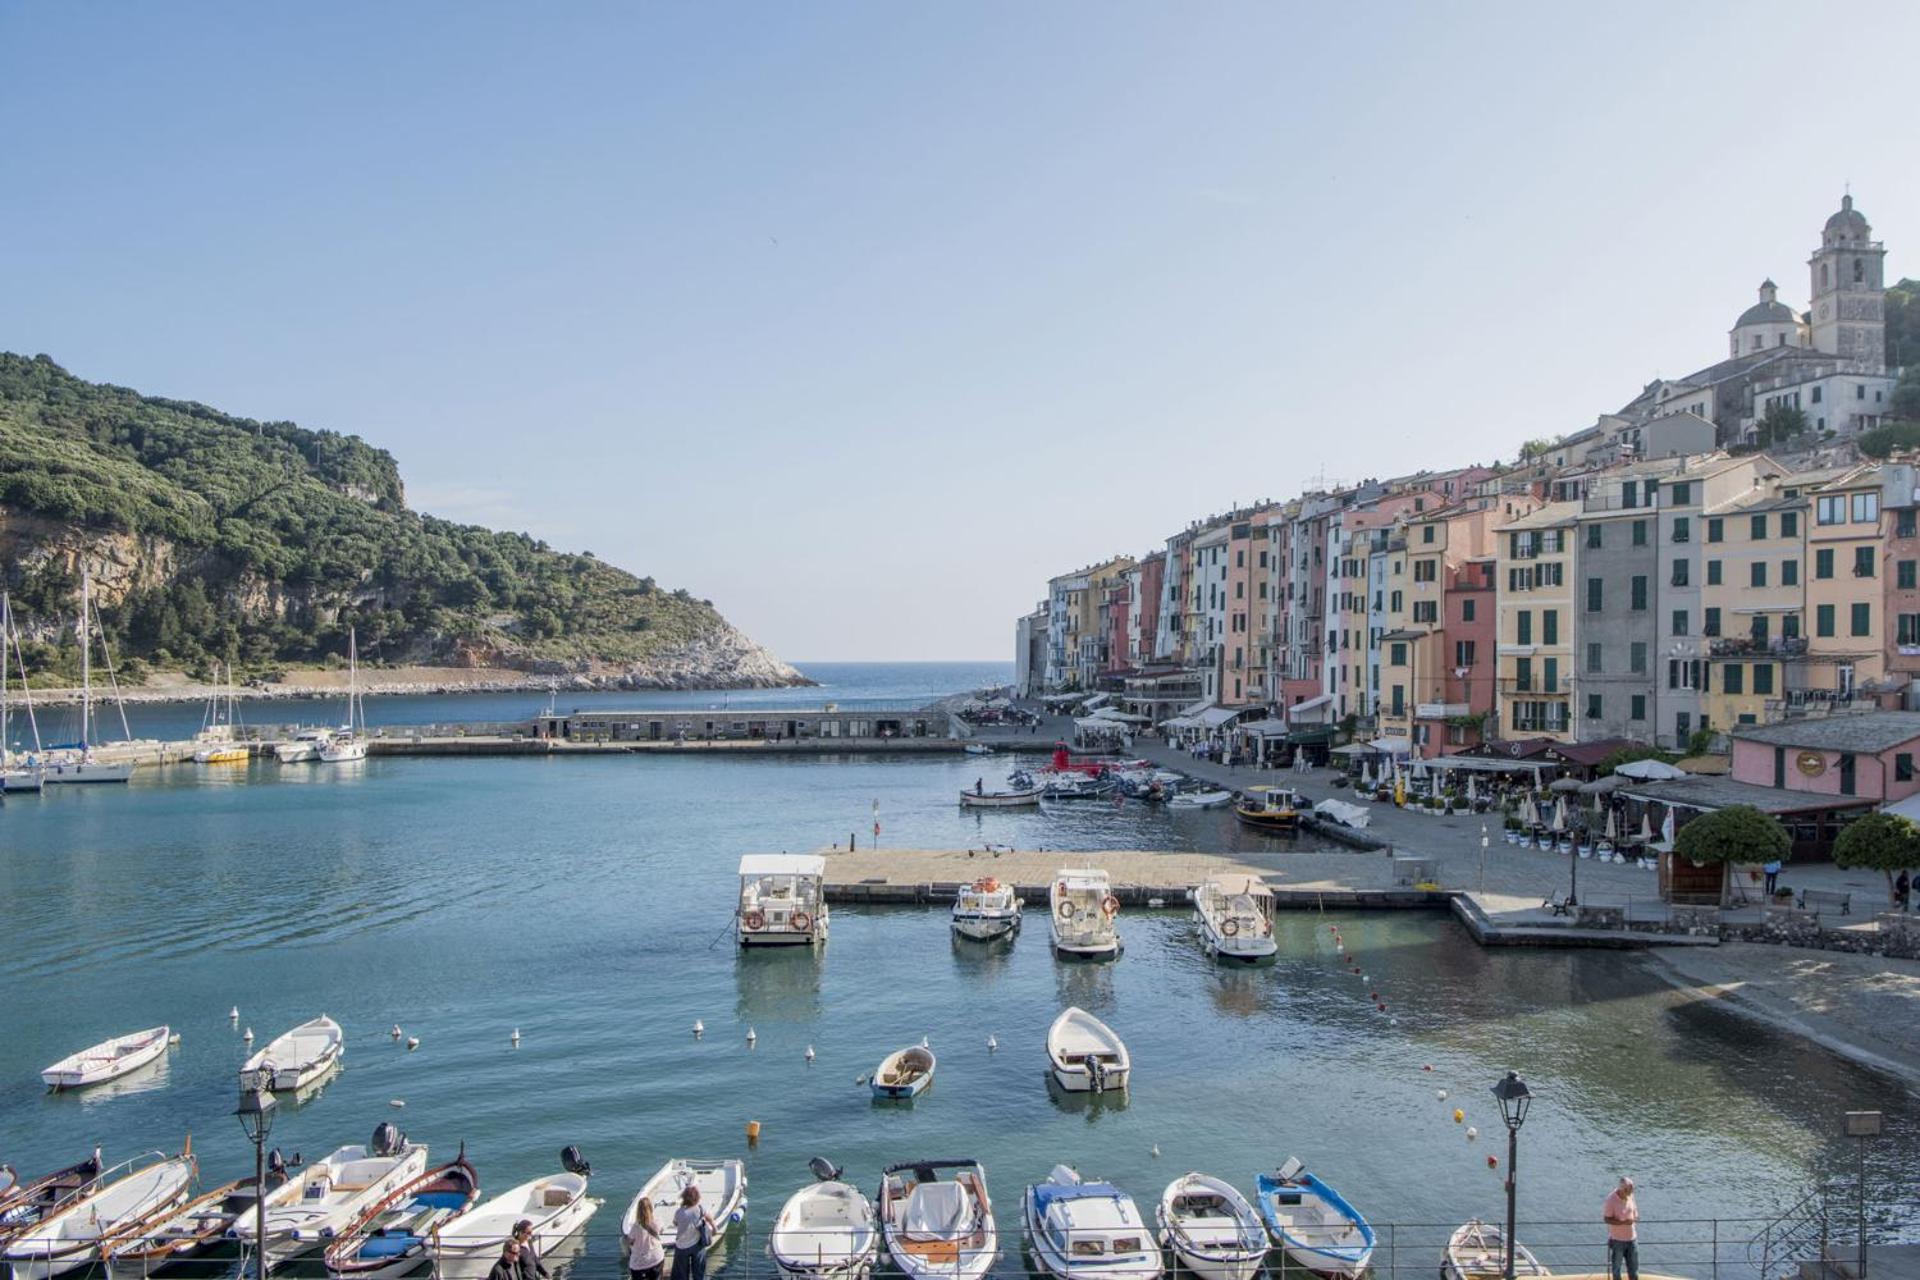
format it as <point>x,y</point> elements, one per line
<point>1752,647</point>
<point>1534,687</point>
<point>1439,710</point>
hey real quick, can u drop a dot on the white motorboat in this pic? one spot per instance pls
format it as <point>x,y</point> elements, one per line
<point>1203,798</point>
<point>826,1231</point>
<point>557,1205</point>
<point>299,1057</point>
<point>782,900</point>
<point>977,749</point>
<point>1088,1230</point>
<point>1313,1223</point>
<point>303,746</point>
<point>723,1194</point>
<point>323,1198</point>
<point>937,1219</point>
<point>985,910</point>
<point>77,764</point>
<point>1017,798</point>
<point>123,1199</point>
<point>1085,1055</point>
<point>108,1059</point>
<point>390,1237</point>
<point>1083,910</point>
<point>1235,914</point>
<point>1477,1251</point>
<point>191,1227</point>
<point>1211,1228</point>
<point>349,742</point>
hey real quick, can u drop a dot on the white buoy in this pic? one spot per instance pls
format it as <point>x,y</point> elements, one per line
<point>752,1035</point>
<point>233,1014</point>
<point>247,1035</point>
<point>413,1042</point>
<point>516,1037</point>
<point>992,1044</point>
<point>809,1053</point>
<point>699,1028</point>
<point>173,1040</point>
<point>1156,1151</point>
<point>396,1102</point>
<point>1440,1094</point>
<point>1472,1133</point>
<point>396,1032</point>
<point>924,1044</point>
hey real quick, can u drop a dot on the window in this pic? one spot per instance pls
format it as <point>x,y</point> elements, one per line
<point>1593,706</point>
<point>1907,630</point>
<point>1639,591</point>
<point>1550,675</point>
<point>1637,658</point>
<point>1758,628</point>
<point>1523,627</point>
<point>1713,573</point>
<point>1593,656</point>
<point>1763,678</point>
<point>1866,508</point>
<point>1637,707</point>
<point>1904,524</point>
<point>1863,562</point>
<point>1426,611</point>
<point>1716,530</point>
<point>1596,593</point>
<point>1789,524</point>
<point>1523,675</point>
<point>1466,610</point>
<point>1682,494</point>
<point>1679,573</point>
<point>1682,529</point>
<point>1823,563</point>
<point>1830,510</point>
<point>1903,767</point>
<point>1549,626</point>
<point>1710,624</point>
<point>1757,528</point>
<point>1862,619</point>
<point>1679,622</point>
<point>1817,389</point>
<point>1395,598</point>
<point>1639,532</point>
<point>1790,627</point>
<point>1426,533</point>
<point>1733,678</point>
<point>1463,653</point>
<point>1823,620</point>
<point>1757,573</point>
<point>1789,573</point>
<point>1859,388</point>
<point>1423,570</point>
<point>1846,774</point>
<point>1593,536</point>
<point>1682,725</point>
<point>1397,655</point>
<point>1630,493</point>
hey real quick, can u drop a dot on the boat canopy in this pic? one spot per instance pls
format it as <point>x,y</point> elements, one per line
<point>783,864</point>
<point>1048,1194</point>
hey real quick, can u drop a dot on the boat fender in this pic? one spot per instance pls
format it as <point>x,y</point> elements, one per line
<point>1066,910</point>
<point>754,920</point>
<point>800,921</point>
<point>1110,906</point>
<point>1230,928</point>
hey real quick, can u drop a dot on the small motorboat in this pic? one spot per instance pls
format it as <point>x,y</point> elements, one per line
<point>783,901</point>
<point>24,1202</point>
<point>723,1194</point>
<point>557,1205</point>
<point>937,1220</point>
<point>986,910</point>
<point>978,749</point>
<point>1201,798</point>
<point>1088,1230</point>
<point>199,1223</point>
<point>1082,909</point>
<point>1075,786</point>
<point>1211,1228</point>
<point>1235,914</point>
<point>125,1198</point>
<point>1017,798</point>
<point>325,1197</point>
<point>1316,1227</point>
<point>904,1073</point>
<point>1270,808</point>
<point>1477,1251</point>
<point>826,1231</point>
<point>108,1060</point>
<point>1085,1055</point>
<point>296,1058</point>
<point>390,1237</point>
<point>302,747</point>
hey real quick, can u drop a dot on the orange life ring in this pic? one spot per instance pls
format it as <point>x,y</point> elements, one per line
<point>1230,928</point>
<point>800,921</point>
<point>754,920</point>
<point>1110,906</point>
<point>987,884</point>
<point>1065,910</point>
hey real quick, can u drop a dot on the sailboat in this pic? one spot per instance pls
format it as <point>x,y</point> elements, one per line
<point>76,763</point>
<point>17,772</point>
<point>218,741</point>
<point>349,742</point>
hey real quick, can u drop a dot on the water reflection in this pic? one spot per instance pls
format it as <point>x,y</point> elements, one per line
<point>144,1079</point>
<point>777,984</point>
<point>1092,1106</point>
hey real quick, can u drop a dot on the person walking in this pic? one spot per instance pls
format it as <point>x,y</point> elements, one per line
<point>693,1233</point>
<point>508,1267</point>
<point>531,1268</point>
<point>1622,1215</point>
<point>1903,891</point>
<point>646,1254</point>
<point>1773,876</point>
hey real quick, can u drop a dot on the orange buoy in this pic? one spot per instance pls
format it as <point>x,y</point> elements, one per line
<point>753,1131</point>
<point>1458,1115</point>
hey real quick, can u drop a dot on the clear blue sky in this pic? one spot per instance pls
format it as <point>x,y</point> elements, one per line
<point>862,319</point>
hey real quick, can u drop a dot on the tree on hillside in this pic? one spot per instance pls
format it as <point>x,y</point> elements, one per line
<point>1882,842</point>
<point>1737,833</point>
<point>1780,422</point>
<point>1903,324</point>
<point>1537,448</point>
<point>1890,437</point>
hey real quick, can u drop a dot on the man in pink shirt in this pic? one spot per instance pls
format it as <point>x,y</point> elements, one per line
<point>1621,1215</point>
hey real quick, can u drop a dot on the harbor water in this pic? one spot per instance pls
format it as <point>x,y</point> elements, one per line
<point>587,904</point>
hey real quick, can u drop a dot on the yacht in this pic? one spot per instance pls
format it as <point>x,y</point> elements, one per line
<point>349,741</point>
<point>218,741</point>
<point>986,910</point>
<point>1235,914</point>
<point>1083,910</point>
<point>303,746</point>
<point>18,771</point>
<point>782,900</point>
<point>77,763</point>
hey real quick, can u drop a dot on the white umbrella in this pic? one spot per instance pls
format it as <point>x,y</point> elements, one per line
<point>1651,771</point>
<point>1529,816</point>
<point>1666,831</point>
<point>1646,828</point>
<point>1472,796</point>
<point>1613,826</point>
<point>1560,814</point>
<point>1366,773</point>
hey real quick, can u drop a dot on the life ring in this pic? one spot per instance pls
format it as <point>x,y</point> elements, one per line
<point>987,884</point>
<point>799,921</point>
<point>1230,928</point>
<point>754,920</point>
<point>1065,911</point>
<point>1109,906</point>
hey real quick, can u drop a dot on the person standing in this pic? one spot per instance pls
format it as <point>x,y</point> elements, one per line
<point>693,1233</point>
<point>1773,876</point>
<point>1903,891</point>
<point>508,1267</point>
<point>1622,1215</point>
<point>531,1268</point>
<point>645,1252</point>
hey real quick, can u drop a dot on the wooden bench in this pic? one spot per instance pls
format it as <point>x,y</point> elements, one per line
<point>1559,903</point>
<point>1815,899</point>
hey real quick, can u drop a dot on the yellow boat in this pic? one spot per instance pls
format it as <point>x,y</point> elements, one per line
<point>222,755</point>
<point>1270,808</point>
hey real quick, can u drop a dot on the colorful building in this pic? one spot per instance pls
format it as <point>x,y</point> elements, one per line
<point>1534,577</point>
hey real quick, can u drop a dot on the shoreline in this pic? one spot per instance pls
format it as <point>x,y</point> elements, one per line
<point>417,681</point>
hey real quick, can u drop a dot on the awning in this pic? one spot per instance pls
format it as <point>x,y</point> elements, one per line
<point>1100,724</point>
<point>1392,746</point>
<point>1308,704</point>
<point>1908,808</point>
<point>1268,728</point>
<point>1215,717</point>
<point>1097,701</point>
<point>1491,764</point>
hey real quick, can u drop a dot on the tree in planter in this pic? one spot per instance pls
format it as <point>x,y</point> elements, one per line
<point>1882,842</point>
<point>1738,833</point>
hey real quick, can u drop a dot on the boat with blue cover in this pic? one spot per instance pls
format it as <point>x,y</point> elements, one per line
<point>392,1237</point>
<point>1088,1230</point>
<point>1312,1222</point>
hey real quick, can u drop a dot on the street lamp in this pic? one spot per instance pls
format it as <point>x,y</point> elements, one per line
<point>1514,1099</point>
<point>1862,1125</point>
<point>257,1105</point>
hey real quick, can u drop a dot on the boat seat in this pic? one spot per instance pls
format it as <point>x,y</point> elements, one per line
<point>937,1209</point>
<point>556,1198</point>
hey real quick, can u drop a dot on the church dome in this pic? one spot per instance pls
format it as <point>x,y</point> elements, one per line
<point>1768,311</point>
<point>1849,222</point>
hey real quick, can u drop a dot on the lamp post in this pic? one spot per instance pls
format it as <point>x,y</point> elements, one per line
<point>1483,858</point>
<point>1514,1099</point>
<point>257,1105</point>
<point>1862,1125</point>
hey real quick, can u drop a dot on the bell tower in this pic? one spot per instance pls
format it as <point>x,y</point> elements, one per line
<point>1848,312</point>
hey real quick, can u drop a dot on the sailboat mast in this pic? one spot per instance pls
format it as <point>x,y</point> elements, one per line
<point>86,671</point>
<point>6,629</point>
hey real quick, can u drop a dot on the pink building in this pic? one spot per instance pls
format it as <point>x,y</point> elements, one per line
<point>1871,756</point>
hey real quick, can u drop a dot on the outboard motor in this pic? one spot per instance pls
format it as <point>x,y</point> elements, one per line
<point>573,1162</point>
<point>277,1164</point>
<point>387,1139</point>
<point>823,1169</point>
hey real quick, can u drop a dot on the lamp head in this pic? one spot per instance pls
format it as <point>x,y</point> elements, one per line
<point>256,1110</point>
<point>1514,1098</point>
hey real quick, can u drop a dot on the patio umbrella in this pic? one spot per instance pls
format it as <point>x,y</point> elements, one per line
<point>1602,786</point>
<point>1529,816</point>
<point>1666,831</point>
<point>1560,814</point>
<point>1646,828</point>
<point>1366,773</point>
<point>1564,784</point>
<point>1613,825</point>
<point>1472,796</point>
<point>1650,771</point>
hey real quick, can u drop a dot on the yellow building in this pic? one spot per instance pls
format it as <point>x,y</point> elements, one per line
<point>1754,602</point>
<point>1535,578</point>
<point>1845,546</point>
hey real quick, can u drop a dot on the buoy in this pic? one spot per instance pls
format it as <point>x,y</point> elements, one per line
<point>247,1035</point>
<point>752,1035</point>
<point>173,1040</point>
<point>1428,1067</point>
<point>809,1053</point>
<point>1440,1094</point>
<point>699,1028</point>
<point>1382,1008</point>
<point>1374,994</point>
<point>858,1081</point>
<point>516,1037</point>
<point>395,1033</point>
<point>1472,1133</point>
<point>1458,1115</point>
<point>1156,1151</point>
<point>413,1042</point>
<point>753,1131</point>
<point>396,1102</point>
<point>1493,1162</point>
<point>924,1044</point>
<point>992,1044</point>
<point>233,1014</point>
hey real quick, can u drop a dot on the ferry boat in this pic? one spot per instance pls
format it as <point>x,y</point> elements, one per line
<point>1235,914</point>
<point>986,910</point>
<point>1083,909</point>
<point>1270,808</point>
<point>783,900</point>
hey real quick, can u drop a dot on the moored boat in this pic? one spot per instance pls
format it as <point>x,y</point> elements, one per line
<point>723,1194</point>
<point>1201,798</point>
<point>70,1238</point>
<point>937,1220</point>
<point>904,1073</point>
<point>1087,1230</point>
<point>1312,1222</point>
<point>195,1227</point>
<point>557,1205</point>
<point>26,1201</point>
<point>349,742</point>
<point>18,771</point>
<point>1015,798</point>
<point>324,1197</point>
<point>985,910</point>
<point>390,1237</point>
<point>1267,808</point>
<point>783,900</point>
<point>1235,914</point>
<point>1211,1228</point>
<point>1082,913</point>
<point>75,764</point>
<point>1086,1055</point>
<point>1477,1251</point>
<point>303,746</point>
<point>108,1060</point>
<point>298,1057</point>
<point>826,1231</point>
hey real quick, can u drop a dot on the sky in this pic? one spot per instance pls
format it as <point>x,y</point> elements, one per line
<point>864,319</point>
